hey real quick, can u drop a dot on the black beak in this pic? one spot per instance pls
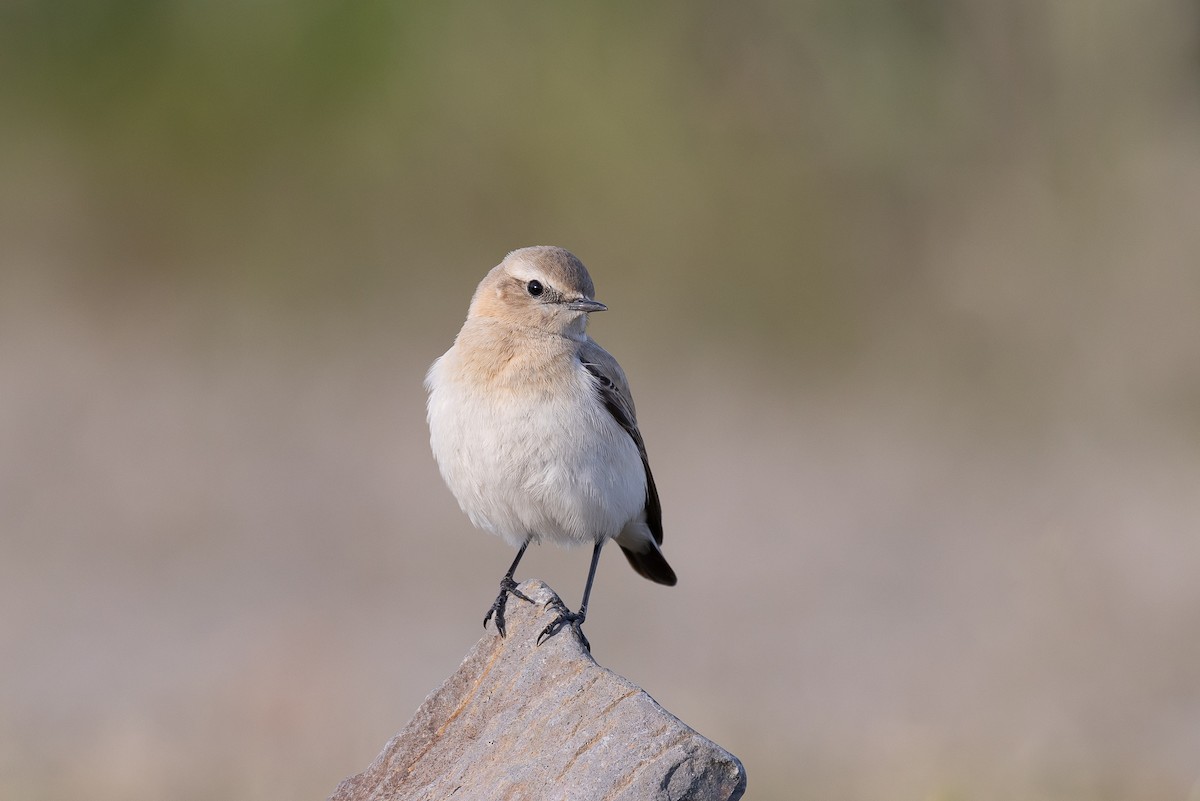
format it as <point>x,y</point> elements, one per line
<point>585,305</point>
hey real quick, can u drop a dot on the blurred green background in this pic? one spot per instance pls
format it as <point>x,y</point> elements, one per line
<point>908,295</point>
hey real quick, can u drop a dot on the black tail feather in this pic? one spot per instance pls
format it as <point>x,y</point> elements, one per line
<point>651,564</point>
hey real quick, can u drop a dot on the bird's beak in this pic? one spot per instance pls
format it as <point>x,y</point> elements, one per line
<point>585,305</point>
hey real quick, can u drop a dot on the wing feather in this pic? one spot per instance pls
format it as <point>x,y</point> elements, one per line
<point>614,393</point>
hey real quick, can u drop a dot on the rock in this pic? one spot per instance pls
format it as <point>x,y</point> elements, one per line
<point>522,721</point>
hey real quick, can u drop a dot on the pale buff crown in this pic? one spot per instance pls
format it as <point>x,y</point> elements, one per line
<point>542,287</point>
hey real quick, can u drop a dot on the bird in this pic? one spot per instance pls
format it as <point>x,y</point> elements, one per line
<point>534,429</point>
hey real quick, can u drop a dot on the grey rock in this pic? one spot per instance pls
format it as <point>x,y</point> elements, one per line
<point>523,721</point>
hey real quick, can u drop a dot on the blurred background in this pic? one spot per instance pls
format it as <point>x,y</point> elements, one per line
<point>908,295</point>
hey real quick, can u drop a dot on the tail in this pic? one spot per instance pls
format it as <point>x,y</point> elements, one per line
<point>650,564</point>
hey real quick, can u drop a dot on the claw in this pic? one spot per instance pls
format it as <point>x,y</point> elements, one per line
<point>507,587</point>
<point>565,618</point>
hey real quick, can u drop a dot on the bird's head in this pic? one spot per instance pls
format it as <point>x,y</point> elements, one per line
<point>541,287</point>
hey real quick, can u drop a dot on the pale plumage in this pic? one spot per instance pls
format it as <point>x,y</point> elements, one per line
<point>532,423</point>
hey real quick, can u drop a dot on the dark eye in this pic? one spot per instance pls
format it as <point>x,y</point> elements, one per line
<point>535,287</point>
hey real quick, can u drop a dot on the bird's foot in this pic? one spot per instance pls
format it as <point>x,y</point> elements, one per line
<point>507,587</point>
<point>565,618</point>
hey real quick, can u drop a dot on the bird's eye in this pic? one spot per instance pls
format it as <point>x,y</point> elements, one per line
<point>535,287</point>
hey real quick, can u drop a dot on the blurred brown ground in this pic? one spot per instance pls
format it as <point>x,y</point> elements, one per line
<point>907,294</point>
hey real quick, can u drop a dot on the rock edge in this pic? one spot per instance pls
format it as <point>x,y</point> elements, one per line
<point>521,721</point>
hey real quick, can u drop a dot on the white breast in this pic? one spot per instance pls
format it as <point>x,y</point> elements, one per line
<point>531,464</point>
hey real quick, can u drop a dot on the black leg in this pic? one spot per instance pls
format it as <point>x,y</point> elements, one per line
<point>575,619</point>
<point>507,586</point>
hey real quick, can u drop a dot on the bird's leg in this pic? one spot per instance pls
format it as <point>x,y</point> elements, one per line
<point>566,616</point>
<point>507,587</point>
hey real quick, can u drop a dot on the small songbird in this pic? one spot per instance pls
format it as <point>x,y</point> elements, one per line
<point>533,426</point>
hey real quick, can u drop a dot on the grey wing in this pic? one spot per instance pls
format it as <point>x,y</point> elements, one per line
<point>614,392</point>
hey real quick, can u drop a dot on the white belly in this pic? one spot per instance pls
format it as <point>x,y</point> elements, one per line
<point>532,467</point>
